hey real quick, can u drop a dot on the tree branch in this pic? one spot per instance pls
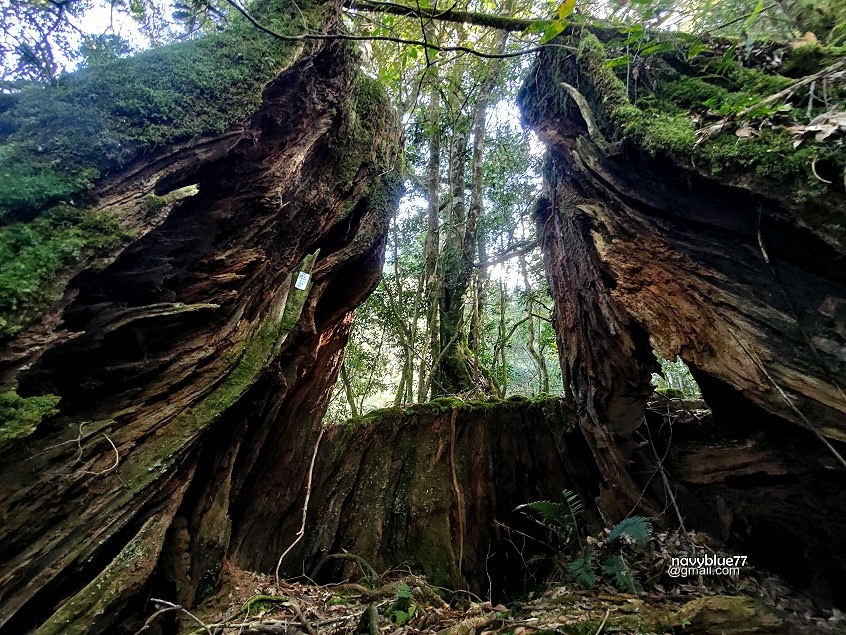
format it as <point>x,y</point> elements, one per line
<point>384,38</point>
<point>517,249</point>
<point>502,23</point>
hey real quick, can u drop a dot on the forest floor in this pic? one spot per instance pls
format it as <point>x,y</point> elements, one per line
<point>400,603</point>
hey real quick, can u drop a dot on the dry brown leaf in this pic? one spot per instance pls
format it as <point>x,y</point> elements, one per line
<point>746,132</point>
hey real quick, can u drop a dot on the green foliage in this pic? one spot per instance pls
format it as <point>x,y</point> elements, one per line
<point>637,528</point>
<point>596,560</point>
<point>675,380</point>
<point>402,609</point>
<point>583,570</point>
<point>615,567</point>
<point>31,254</point>
<point>19,416</point>
<point>561,518</point>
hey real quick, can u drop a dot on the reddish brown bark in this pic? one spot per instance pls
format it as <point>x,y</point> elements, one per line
<point>192,354</point>
<point>732,274</point>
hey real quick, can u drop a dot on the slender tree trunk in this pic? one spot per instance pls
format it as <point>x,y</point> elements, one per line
<point>432,241</point>
<point>456,372</point>
<point>349,393</point>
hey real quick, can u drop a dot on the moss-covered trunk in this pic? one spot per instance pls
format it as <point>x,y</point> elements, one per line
<point>186,354</point>
<point>724,249</point>
<point>432,487</point>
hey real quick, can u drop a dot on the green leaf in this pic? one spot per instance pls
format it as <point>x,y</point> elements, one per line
<point>552,31</point>
<point>400,617</point>
<point>614,62</point>
<point>582,570</point>
<point>403,590</point>
<point>637,528</point>
<point>616,567</point>
<point>697,49</point>
<point>538,26</point>
<point>657,47</point>
<point>754,15</point>
<point>566,8</point>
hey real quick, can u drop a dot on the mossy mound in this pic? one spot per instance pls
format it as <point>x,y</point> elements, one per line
<point>58,141</point>
<point>19,416</point>
<point>441,405</point>
<point>668,101</point>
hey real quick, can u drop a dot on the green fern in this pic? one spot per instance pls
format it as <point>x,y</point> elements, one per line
<point>637,528</point>
<point>616,567</point>
<point>561,518</point>
<point>583,570</point>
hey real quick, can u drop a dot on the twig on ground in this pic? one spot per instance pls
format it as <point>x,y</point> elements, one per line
<point>604,619</point>
<point>470,625</point>
<point>108,469</point>
<point>170,606</point>
<point>301,617</point>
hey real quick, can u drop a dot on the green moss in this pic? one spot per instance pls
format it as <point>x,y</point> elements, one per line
<point>662,122</point>
<point>691,92</point>
<point>810,58</point>
<point>592,59</point>
<point>19,416</point>
<point>60,138</point>
<point>153,203</point>
<point>663,133</point>
<point>31,255</point>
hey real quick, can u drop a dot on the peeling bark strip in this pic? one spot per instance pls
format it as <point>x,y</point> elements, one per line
<point>194,354</point>
<point>734,274</point>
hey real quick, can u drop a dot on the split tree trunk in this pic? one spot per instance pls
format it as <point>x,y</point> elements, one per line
<point>192,361</point>
<point>731,273</point>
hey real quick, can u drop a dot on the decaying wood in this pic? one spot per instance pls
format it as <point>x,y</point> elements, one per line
<point>731,273</point>
<point>189,358</point>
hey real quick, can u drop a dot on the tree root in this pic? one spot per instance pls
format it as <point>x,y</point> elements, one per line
<point>369,623</point>
<point>368,571</point>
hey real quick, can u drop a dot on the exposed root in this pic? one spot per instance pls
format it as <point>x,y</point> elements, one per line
<point>369,572</point>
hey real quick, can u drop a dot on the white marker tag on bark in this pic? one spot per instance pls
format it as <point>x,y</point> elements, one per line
<point>302,280</point>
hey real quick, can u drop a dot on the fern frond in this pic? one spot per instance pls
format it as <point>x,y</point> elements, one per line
<point>561,518</point>
<point>616,567</point>
<point>583,571</point>
<point>575,507</point>
<point>637,528</point>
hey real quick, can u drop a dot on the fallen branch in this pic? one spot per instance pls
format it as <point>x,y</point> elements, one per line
<point>470,625</point>
<point>793,87</point>
<point>170,606</point>
<point>302,618</point>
